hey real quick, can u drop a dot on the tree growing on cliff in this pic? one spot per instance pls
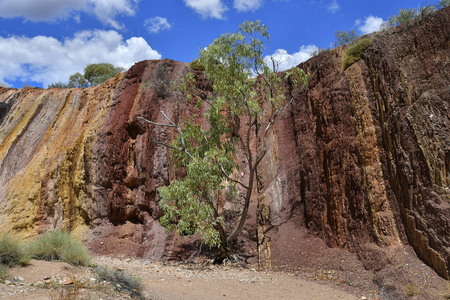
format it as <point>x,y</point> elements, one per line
<point>240,114</point>
<point>94,74</point>
<point>344,37</point>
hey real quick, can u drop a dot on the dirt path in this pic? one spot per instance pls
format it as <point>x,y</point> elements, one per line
<point>52,280</point>
<point>186,281</point>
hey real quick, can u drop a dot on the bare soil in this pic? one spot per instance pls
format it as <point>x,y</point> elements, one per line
<point>164,280</point>
<point>177,280</point>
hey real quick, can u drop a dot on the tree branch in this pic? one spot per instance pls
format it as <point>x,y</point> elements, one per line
<point>172,124</point>
<point>228,177</point>
<point>153,123</point>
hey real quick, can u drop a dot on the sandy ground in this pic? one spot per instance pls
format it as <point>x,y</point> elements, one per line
<point>55,280</point>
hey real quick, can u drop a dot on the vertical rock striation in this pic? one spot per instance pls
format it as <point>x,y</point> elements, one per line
<point>362,157</point>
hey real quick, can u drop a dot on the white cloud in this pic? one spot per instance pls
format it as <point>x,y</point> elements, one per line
<point>286,61</point>
<point>50,10</point>
<point>208,8</point>
<point>333,7</point>
<point>42,10</point>
<point>46,59</point>
<point>107,10</point>
<point>156,24</point>
<point>247,5</point>
<point>371,24</point>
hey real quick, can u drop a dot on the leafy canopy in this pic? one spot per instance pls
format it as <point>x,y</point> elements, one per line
<point>94,74</point>
<point>208,152</point>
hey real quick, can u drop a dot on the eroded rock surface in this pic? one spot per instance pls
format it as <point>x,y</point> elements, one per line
<point>360,160</point>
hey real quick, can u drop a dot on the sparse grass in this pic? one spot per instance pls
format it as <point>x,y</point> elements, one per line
<point>2,273</point>
<point>59,245</point>
<point>411,290</point>
<point>121,282</point>
<point>354,52</point>
<point>12,251</point>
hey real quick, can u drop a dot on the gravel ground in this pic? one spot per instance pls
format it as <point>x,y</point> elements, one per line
<point>165,280</point>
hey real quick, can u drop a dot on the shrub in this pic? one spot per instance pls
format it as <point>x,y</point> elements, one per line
<point>425,10</point>
<point>444,3</point>
<point>406,15</point>
<point>162,83</point>
<point>343,37</point>
<point>354,52</point>
<point>121,281</point>
<point>59,245</point>
<point>11,251</point>
<point>197,65</point>
<point>2,273</point>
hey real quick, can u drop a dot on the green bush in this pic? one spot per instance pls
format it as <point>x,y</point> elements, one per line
<point>344,37</point>
<point>444,3</point>
<point>3,274</point>
<point>121,281</point>
<point>12,251</point>
<point>354,52</point>
<point>197,65</point>
<point>59,245</point>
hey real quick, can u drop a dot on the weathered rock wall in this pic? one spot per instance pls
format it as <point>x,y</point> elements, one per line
<point>364,154</point>
<point>361,158</point>
<point>79,158</point>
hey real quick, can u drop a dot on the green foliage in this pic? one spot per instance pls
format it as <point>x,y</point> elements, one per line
<point>208,153</point>
<point>121,282</point>
<point>162,84</point>
<point>3,273</point>
<point>343,37</point>
<point>318,51</point>
<point>59,245</point>
<point>354,52</point>
<point>94,74</point>
<point>405,15</point>
<point>77,80</point>
<point>57,85</point>
<point>12,251</point>
<point>196,65</point>
<point>427,9</point>
<point>444,3</point>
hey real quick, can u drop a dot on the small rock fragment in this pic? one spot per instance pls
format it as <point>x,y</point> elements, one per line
<point>66,281</point>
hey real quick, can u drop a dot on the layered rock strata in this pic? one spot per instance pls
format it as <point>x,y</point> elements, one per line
<point>361,158</point>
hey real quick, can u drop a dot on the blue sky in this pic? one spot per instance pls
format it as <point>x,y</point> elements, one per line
<point>47,40</point>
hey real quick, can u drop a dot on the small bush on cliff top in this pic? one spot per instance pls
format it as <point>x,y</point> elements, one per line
<point>354,52</point>
<point>59,245</point>
<point>12,251</point>
<point>197,65</point>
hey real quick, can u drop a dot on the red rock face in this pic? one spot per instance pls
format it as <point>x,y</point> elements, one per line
<point>364,154</point>
<point>360,161</point>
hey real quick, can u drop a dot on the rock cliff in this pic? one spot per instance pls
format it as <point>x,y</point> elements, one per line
<point>361,159</point>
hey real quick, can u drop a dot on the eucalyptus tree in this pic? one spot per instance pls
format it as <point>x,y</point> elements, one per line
<point>248,98</point>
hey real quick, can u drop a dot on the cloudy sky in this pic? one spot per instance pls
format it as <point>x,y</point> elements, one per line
<point>45,41</point>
